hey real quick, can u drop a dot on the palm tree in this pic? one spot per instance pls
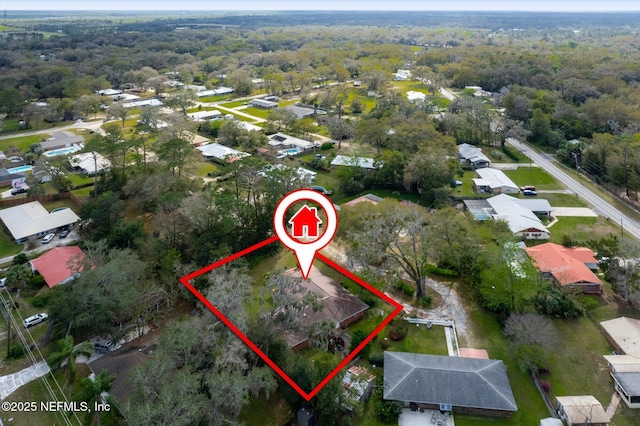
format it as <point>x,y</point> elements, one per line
<point>66,357</point>
<point>91,390</point>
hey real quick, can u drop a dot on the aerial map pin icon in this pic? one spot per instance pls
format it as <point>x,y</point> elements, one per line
<point>305,224</point>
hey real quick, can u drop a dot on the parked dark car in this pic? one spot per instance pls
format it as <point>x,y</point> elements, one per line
<point>63,234</point>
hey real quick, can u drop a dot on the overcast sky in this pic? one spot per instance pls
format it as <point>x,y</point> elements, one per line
<point>529,5</point>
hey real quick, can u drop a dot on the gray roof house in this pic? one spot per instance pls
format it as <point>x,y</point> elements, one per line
<point>472,156</point>
<point>463,385</point>
<point>6,177</point>
<point>263,103</point>
<point>61,140</point>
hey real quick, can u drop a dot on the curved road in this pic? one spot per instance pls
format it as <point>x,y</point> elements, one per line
<point>601,206</point>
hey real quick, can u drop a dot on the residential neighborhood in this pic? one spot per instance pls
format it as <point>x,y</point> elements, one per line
<point>479,170</point>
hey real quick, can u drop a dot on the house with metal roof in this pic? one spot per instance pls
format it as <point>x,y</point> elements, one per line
<point>204,115</point>
<point>90,162</point>
<point>142,103</point>
<point>624,334</point>
<point>282,141</point>
<point>364,162</point>
<point>567,266</point>
<point>262,103</point>
<point>521,221</point>
<point>32,220</point>
<point>462,385</point>
<point>472,156</point>
<point>494,181</point>
<point>215,151</point>
<point>581,410</point>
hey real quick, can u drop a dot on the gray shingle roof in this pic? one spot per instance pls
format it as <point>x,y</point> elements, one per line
<point>629,381</point>
<point>461,382</point>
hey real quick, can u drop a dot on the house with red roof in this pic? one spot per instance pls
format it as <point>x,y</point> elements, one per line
<point>570,267</point>
<point>59,265</point>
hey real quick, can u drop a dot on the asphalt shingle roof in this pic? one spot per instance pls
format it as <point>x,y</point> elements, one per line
<point>461,382</point>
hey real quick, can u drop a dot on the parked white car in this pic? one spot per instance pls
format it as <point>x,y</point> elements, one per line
<point>35,319</point>
<point>47,238</point>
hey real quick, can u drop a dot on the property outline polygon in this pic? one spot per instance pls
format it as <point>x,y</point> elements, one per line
<point>306,395</point>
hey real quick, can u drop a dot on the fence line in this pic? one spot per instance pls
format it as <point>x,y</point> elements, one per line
<point>42,198</point>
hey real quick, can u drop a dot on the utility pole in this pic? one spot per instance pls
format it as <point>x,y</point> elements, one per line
<point>626,168</point>
<point>575,157</point>
<point>7,307</point>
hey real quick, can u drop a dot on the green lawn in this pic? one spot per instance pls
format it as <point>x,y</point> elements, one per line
<point>583,228</point>
<point>83,192</point>
<point>51,205</point>
<point>7,246</point>
<point>78,180</point>
<point>217,98</point>
<point>563,200</point>
<point>256,112</point>
<point>21,142</point>
<point>233,104</point>
<point>497,155</point>
<point>466,189</point>
<point>536,176</point>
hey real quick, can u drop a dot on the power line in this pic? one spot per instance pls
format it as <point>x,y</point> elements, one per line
<point>7,303</point>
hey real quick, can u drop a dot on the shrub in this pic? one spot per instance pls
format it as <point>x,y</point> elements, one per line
<point>399,329</point>
<point>388,411</point>
<point>443,272</point>
<point>357,338</point>
<point>376,358</point>
<point>40,301</point>
<point>385,343</point>
<point>20,258</point>
<point>36,282</point>
<point>16,350</point>
<point>545,385</point>
<point>325,146</point>
<point>509,153</point>
<point>425,301</point>
<point>407,289</point>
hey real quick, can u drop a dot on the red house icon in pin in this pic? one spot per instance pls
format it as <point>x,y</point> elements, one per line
<point>305,223</point>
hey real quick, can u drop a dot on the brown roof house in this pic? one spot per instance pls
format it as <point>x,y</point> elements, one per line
<point>463,385</point>
<point>338,306</point>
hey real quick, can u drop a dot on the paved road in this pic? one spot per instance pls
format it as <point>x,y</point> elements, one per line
<point>600,206</point>
<point>88,125</point>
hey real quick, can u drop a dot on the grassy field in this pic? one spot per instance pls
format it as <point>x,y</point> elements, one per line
<point>563,200</point>
<point>256,112</point>
<point>233,104</point>
<point>583,228</point>
<point>524,176</point>
<point>466,189</point>
<point>21,142</point>
<point>7,246</point>
<point>78,180</point>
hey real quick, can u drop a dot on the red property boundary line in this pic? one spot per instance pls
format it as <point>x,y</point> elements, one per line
<point>306,395</point>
